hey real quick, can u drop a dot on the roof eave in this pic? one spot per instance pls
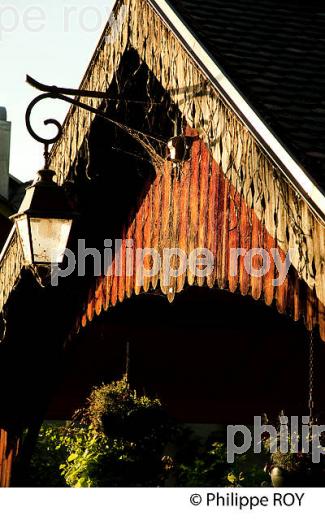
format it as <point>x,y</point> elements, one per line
<point>301,181</point>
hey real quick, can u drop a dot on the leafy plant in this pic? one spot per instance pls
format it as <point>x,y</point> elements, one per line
<point>209,467</point>
<point>121,440</point>
<point>50,452</point>
<point>291,461</point>
<point>116,410</point>
<point>248,471</point>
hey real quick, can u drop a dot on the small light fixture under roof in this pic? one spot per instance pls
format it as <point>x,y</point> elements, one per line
<point>44,221</point>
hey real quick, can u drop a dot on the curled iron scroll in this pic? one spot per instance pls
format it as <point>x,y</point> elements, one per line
<point>58,125</point>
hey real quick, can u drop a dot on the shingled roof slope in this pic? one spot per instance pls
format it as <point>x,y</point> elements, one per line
<point>274,51</point>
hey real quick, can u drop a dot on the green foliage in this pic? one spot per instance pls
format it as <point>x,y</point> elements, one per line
<point>51,451</point>
<point>95,461</point>
<point>120,438</point>
<point>291,461</point>
<point>209,467</point>
<point>248,471</point>
<point>116,410</point>
<point>120,442</point>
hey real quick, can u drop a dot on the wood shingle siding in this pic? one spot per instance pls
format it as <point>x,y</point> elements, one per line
<point>240,186</point>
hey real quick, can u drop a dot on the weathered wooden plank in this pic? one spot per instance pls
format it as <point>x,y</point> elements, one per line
<point>203,202</point>
<point>234,238</point>
<point>99,297</point>
<point>2,456</point>
<point>296,297</point>
<point>221,231</point>
<point>114,284</point>
<point>5,459</point>
<point>183,217</point>
<point>290,293</point>
<point>138,244</point>
<point>256,263</point>
<point>8,467</point>
<point>173,237</point>
<point>147,226</point>
<point>245,244</point>
<point>194,205</point>
<point>91,305</point>
<point>282,289</point>
<point>212,218</point>
<point>156,219</point>
<point>310,309</point>
<point>268,279</point>
<point>130,235</point>
<point>321,319</point>
<point>166,204</point>
<point>84,320</point>
<point>122,278</point>
<point>318,235</point>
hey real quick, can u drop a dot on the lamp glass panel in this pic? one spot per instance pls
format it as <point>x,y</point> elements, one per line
<point>49,238</point>
<point>23,232</point>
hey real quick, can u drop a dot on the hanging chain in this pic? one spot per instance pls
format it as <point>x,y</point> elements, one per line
<point>311,378</point>
<point>127,362</point>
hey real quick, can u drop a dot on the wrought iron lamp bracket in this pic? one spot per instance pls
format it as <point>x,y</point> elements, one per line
<point>64,94</point>
<point>53,92</point>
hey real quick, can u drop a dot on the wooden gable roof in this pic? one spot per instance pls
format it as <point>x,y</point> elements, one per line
<point>232,185</point>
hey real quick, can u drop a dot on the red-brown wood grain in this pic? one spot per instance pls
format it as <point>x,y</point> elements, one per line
<point>114,286</point>
<point>310,309</point>
<point>268,287</point>
<point>224,237</point>
<point>204,167</point>
<point>166,209</point>
<point>257,260</point>
<point>174,234</point>
<point>234,238</point>
<point>245,244</point>
<point>321,319</point>
<point>193,206</point>
<point>156,219</point>
<point>91,305</point>
<point>122,278</point>
<point>138,244</point>
<point>282,289</point>
<point>212,218</point>
<point>99,296</point>
<point>130,260</point>
<point>183,218</point>
<point>8,452</point>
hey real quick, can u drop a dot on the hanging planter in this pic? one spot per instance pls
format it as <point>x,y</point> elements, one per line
<point>295,470</point>
<point>294,466</point>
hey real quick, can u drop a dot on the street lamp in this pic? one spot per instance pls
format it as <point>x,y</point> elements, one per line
<point>44,221</point>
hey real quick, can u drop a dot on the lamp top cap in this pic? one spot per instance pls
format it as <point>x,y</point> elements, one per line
<point>45,175</point>
<point>3,114</point>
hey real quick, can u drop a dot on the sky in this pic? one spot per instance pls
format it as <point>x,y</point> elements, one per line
<point>52,41</point>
